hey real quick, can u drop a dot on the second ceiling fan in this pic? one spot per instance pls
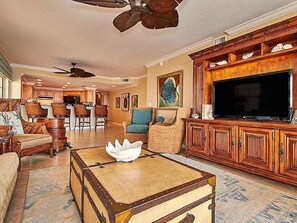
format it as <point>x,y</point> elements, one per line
<point>153,14</point>
<point>75,72</point>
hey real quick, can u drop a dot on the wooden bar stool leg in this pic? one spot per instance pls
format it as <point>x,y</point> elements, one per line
<point>83,124</point>
<point>89,122</point>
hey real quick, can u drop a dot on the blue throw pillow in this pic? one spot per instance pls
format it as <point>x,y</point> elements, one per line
<point>141,116</point>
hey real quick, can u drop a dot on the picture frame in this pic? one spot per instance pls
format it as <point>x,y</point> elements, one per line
<point>125,101</point>
<point>134,101</point>
<point>170,90</point>
<point>118,102</point>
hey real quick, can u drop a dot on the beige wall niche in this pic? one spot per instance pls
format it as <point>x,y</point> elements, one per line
<point>116,115</point>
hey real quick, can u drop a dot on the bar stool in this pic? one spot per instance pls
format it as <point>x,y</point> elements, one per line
<point>101,113</point>
<point>34,110</point>
<point>60,111</point>
<point>81,113</point>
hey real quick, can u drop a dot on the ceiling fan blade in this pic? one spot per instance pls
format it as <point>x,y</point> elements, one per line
<point>64,71</point>
<point>162,6</point>
<point>105,3</point>
<point>126,20</point>
<point>159,21</point>
<point>73,75</point>
<point>77,71</point>
<point>88,74</point>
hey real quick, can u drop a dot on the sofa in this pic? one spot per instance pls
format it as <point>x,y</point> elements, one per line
<point>29,137</point>
<point>9,163</point>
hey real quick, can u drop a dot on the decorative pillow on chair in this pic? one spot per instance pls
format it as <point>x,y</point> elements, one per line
<point>12,118</point>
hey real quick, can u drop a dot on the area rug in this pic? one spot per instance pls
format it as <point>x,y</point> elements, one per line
<point>238,200</point>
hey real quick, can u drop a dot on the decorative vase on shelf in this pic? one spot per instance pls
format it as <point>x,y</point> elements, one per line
<point>247,55</point>
<point>207,111</point>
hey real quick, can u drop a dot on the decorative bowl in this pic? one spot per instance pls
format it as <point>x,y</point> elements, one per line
<point>195,115</point>
<point>126,152</point>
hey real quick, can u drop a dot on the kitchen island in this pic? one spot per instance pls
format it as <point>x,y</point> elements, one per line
<point>72,114</point>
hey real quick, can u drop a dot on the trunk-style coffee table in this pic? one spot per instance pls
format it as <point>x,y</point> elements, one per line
<point>152,188</point>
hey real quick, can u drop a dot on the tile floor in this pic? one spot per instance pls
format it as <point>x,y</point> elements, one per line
<point>91,138</point>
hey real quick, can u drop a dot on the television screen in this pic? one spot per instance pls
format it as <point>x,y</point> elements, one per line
<point>266,95</point>
<point>70,100</point>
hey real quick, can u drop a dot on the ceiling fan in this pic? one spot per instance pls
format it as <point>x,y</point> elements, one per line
<point>75,72</point>
<point>153,14</point>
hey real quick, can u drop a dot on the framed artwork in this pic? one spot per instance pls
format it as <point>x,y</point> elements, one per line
<point>170,90</point>
<point>118,102</point>
<point>134,101</point>
<point>125,101</point>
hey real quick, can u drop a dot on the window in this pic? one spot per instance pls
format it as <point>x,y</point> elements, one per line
<point>1,87</point>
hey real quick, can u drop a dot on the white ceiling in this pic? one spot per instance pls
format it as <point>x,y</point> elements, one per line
<point>48,33</point>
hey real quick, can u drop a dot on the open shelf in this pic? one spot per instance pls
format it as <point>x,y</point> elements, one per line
<point>255,58</point>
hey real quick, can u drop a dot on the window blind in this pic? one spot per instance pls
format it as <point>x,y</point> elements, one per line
<point>5,68</point>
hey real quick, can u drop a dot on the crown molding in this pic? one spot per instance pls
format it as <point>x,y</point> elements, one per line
<point>52,70</point>
<point>139,77</point>
<point>275,14</point>
<point>33,67</point>
<point>5,54</point>
<point>203,43</point>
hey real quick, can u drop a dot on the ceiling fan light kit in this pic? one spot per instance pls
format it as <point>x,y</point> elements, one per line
<point>153,14</point>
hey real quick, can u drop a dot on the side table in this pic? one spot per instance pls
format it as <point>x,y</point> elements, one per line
<point>56,128</point>
<point>5,140</point>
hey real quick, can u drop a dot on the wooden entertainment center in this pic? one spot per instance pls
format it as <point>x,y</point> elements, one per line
<point>267,148</point>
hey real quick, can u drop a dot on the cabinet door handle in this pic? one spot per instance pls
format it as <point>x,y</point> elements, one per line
<point>233,143</point>
<point>240,143</point>
<point>282,152</point>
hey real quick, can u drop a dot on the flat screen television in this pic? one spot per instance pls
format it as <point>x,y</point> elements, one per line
<point>70,100</point>
<point>263,96</point>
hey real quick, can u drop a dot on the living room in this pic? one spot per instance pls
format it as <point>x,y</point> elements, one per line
<point>56,53</point>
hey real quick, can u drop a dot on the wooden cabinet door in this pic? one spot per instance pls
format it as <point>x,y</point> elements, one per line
<point>288,153</point>
<point>222,142</point>
<point>50,93</point>
<point>58,96</point>
<point>197,138</point>
<point>256,148</point>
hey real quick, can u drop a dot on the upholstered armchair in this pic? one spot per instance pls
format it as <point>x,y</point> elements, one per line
<point>168,138</point>
<point>29,137</point>
<point>136,128</point>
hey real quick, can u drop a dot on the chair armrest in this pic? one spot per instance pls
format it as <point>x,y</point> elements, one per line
<point>34,127</point>
<point>125,124</point>
<point>5,129</point>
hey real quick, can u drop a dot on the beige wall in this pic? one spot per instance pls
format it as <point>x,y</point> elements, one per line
<point>183,63</point>
<point>116,115</point>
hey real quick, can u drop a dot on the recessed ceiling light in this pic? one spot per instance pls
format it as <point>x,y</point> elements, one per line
<point>63,87</point>
<point>93,85</point>
<point>112,86</point>
<point>68,83</point>
<point>38,80</point>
